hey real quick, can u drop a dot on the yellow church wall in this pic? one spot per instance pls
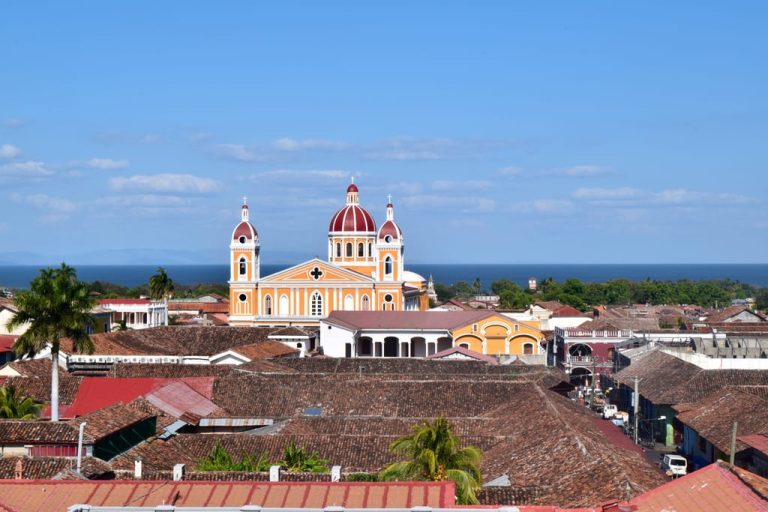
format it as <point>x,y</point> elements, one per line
<point>475,343</point>
<point>496,331</point>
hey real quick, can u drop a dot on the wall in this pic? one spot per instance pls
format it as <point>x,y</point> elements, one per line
<point>710,363</point>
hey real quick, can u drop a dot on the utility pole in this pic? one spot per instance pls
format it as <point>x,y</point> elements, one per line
<point>733,442</point>
<point>637,406</point>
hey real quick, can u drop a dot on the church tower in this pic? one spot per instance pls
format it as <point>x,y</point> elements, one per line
<point>352,236</point>
<point>390,248</point>
<point>244,271</point>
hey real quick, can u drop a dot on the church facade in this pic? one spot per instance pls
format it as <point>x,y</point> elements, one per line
<point>365,271</point>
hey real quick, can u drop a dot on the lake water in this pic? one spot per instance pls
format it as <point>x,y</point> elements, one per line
<point>16,276</point>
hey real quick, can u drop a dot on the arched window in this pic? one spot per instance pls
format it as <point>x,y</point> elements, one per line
<point>464,345</point>
<point>268,305</point>
<point>388,266</point>
<point>528,348</point>
<point>283,308</point>
<point>370,250</point>
<point>349,250</point>
<point>349,303</point>
<point>360,250</point>
<point>365,303</point>
<point>338,250</point>
<point>316,304</point>
<point>243,266</point>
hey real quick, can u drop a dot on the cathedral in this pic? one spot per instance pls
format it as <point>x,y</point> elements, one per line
<point>365,271</point>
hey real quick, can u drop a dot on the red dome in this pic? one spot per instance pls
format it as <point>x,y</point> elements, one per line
<point>352,218</point>
<point>247,230</point>
<point>391,229</point>
<point>352,188</point>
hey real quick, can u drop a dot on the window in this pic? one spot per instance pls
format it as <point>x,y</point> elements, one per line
<point>316,304</point>
<point>387,298</point>
<point>517,327</point>
<point>349,303</point>
<point>242,239</point>
<point>388,238</point>
<point>349,250</point>
<point>388,266</point>
<point>242,297</point>
<point>365,303</point>
<point>268,305</point>
<point>474,327</point>
<point>464,345</point>
<point>370,250</point>
<point>243,266</point>
<point>528,348</point>
<point>283,308</point>
<point>360,250</point>
<point>338,250</point>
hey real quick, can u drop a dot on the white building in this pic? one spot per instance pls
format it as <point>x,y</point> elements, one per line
<point>136,313</point>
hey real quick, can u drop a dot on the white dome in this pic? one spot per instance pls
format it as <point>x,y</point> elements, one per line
<point>412,276</point>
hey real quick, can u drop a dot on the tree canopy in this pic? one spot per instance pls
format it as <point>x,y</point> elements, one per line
<point>433,452</point>
<point>15,406</point>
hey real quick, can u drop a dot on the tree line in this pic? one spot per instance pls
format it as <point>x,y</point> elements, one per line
<point>581,295</point>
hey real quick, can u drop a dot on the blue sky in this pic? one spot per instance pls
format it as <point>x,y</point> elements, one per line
<point>506,132</point>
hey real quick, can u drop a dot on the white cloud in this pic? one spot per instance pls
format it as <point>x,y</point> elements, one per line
<point>296,173</point>
<point>9,151</point>
<point>165,183</point>
<point>13,123</point>
<point>610,194</point>
<point>405,148</point>
<point>511,171</point>
<point>122,137</point>
<point>106,164</point>
<point>52,209</point>
<point>239,152</point>
<point>289,144</point>
<point>461,204</point>
<point>583,170</point>
<point>25,169</point>
<point>445,185</point>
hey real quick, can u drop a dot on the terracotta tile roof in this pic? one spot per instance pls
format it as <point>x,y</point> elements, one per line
<point>168,371</point>
<point>730,312</point>
<point>36,432</point>
<point>717,487</point>
<point>713,416</point>
<point>60,495</point>
<point>108,420</point>
<point>265,350</point>
<point>664,377</point>
<point>551,305</point>
<point>568,311</point>
<point>186,341</point>
<point>406,319</point>
<point>290,331</point>
<point>36,381</point>
<point>465,352</point>
<point>7,304</point>
<point>757,441</point>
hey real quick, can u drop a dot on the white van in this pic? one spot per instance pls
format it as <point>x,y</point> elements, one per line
<point>609,410</point>
<point>674,465</point>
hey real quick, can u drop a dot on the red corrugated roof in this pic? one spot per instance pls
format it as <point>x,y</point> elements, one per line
<point>716,487</point>
<point>6,342</point>
<point>757,441</point>
<point>124,301</point>
<point>59,495</point>
<point>176,398</point>
<point>99,392</point>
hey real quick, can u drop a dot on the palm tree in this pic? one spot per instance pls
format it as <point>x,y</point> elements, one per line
<point>434,454</point>
<point>161,287</point>
<point>13,405</point>
<point>56,307</point>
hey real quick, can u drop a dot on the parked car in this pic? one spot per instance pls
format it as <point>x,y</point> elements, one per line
<point>609,411</point>
<point>674,465</point>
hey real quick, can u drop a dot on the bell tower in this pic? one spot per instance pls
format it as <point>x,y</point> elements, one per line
<point>245,265</point>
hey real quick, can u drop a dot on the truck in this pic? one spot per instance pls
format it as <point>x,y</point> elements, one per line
<point>674,465</point>
<point>609,411</point>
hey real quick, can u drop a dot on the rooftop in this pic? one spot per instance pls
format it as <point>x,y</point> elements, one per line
<point>401,320</point>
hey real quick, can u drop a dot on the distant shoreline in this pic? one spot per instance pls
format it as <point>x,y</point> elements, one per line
<point>756,274</point>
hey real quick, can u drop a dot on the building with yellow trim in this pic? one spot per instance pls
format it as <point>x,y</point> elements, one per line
<point>365,271</point>
<point>424,333</point>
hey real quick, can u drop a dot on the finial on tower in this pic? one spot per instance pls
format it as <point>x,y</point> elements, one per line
<point>244,210</point>
<point>352,178</point>
<point>389,198</point>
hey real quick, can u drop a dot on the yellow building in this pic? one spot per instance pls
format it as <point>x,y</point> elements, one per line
<point>365,271</point>
<point>425,333</point>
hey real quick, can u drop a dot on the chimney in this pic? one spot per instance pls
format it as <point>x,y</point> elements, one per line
<point>137,467</point>
<point>274,473</point>
<point>336,474</point>
<point>18,471</point>
<point>178,472</point>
